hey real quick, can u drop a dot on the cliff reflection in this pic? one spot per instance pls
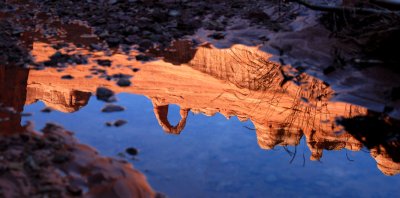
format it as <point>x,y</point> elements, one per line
<point>283,103</point>
<point>13,83</point>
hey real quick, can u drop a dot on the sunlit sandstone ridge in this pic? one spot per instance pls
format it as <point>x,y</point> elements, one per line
<point>239,81</point>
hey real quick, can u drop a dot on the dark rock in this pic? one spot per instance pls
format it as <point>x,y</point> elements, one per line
<point>59,59</point>
<point>145,44</point>
<point>113,41</point>
<point>105,94</point>
<point>105,63</point>
<point>74,190</point>
<point>24,137</point>
<point>217,35</point>
<point>127,76</point>
<point>329,70</point>
<point>60,158</point>
<point>109,124</point>
<point>67,77</point>
<point>135,69</point>
<point>395,94</point>
<point>109,108</point>
<point>161,195</point>
<point>124,82</point>
<point>132,151</point>
<point>96,47</point>
<point>142,57</point>
<point>174,13</point>
<point>46,110</point>
<point>119,123</point>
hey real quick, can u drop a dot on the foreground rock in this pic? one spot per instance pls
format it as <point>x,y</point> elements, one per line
<point>54,164</point>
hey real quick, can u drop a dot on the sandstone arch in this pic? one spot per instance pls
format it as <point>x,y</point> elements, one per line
<point>161,113</point>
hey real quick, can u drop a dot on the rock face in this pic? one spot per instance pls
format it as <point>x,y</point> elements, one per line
<point>283,103</point>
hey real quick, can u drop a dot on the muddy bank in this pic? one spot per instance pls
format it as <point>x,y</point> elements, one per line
<point>53,164</point>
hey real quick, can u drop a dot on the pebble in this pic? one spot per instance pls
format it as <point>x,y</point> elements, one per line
<point>104,62</point>
<point>109,108</point>
<point>46,110</point>
<point>124,82</point>
<point>142,57</point>
<point>105,94</point>
<point>217,35</point>
<point>135,69</point>
<point>67,77</point>
<point>60,158</point>
<point>119,123</point>
<point>74,190</point>
<point>132,151</point>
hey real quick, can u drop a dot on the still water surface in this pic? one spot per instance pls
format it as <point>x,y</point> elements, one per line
<point>283,137</point>
<point>216,157</point>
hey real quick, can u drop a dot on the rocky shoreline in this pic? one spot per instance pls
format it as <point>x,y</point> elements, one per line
<point>52,163</point>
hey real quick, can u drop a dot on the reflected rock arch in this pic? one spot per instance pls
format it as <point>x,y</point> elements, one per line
<point>161,113</point>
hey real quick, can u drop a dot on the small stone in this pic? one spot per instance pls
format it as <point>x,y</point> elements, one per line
<point>395,93</point>
<point>174,13</point>
<point>74,190</point>
<point>31,163</point>
<point>109,124</point>
<point>26,114</point>
<point>113,41</point>
<point>217,35</point>
<point>104,62</point>
<point>67,77</point>
<point>60,158</point>
<point>160,195</point>
<point>121,76</point>
<point>124,82</point>
<point>95,47</point>
<point>135,69</point>
<point>109,108</point>
<point>132,151</point>
<point>329,70</point>
<point>142,57</point>
<point>46,110</point>
<point>24,137</point>
<point>119,123</point>
<point>104,94</point>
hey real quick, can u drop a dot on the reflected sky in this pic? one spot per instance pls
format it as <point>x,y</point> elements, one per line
<point>216,157</point>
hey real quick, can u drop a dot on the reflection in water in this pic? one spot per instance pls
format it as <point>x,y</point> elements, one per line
<point>54,160</point>
<point>381,136</point>
<point>283,103</point>
<point>161,113</point>
<point>13,83</point>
